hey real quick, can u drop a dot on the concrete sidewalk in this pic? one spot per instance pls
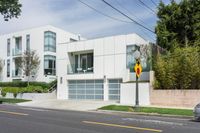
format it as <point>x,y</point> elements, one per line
<point>79,105</point>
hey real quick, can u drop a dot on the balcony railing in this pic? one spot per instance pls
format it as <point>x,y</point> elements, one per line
<point>17,52</point>
<point>16,73</point>
<point>73,69</point>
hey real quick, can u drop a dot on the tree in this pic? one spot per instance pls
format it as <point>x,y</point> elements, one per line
<point>179,69</point>
<point>178,24</point>
<point>29,63</point>
<point>10,9</point>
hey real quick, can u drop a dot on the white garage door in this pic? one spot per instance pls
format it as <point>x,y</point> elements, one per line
<point>85,89</point>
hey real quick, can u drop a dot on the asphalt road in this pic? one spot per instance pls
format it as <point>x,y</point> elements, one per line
<point>16,119</point>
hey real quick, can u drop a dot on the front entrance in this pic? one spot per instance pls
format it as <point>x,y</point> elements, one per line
<point>86,89</point>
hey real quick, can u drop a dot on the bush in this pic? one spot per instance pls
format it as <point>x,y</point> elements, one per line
<point>179,69</point>
<point>13,84</point>
<point>3,93</point>
<point>44,85</point>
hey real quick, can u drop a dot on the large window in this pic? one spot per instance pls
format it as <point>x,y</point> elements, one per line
<point>28,42</point>
<point>8,47</point>
<point>84,63</point>
<point>49,41</point>
<point>49,65</point>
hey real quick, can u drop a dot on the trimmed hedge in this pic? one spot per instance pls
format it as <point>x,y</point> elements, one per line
<point>22,87</point>
<point>28,89</point>
<point>25,84</point>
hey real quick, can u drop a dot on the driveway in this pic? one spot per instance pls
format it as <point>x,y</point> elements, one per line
<point>79,105</point>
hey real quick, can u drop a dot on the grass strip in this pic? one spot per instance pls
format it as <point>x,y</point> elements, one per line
<point>13,100</point>
<point>167,111</point>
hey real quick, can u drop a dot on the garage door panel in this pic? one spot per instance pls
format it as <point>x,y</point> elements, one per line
<point>114,89</point>
<point>86,89</point>
<point>89,96</point>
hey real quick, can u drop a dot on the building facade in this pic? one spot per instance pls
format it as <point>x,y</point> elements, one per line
<point>96,69</point>
<point>43,40</point>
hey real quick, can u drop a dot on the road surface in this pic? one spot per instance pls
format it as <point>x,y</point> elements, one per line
<point>17,119</point>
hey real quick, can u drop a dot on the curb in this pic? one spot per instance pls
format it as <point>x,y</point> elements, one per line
<point>146,114</point>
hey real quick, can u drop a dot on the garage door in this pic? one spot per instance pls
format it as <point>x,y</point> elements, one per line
<point>114,89</point>
<point>85,89</point>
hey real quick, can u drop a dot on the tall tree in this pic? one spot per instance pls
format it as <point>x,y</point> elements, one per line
<point>10,9</point>
<point>178,24</point>
<point>29,63</point>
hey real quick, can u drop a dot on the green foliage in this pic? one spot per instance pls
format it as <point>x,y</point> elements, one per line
<point>179,69</point>
<point>12,100</point>
<point>22,87</point>
<point>178,24</point>
<point>44,85</point>
<point>13,84</point>
<point>3,93</point>
<point>10,8</point>
<point>28,89</point>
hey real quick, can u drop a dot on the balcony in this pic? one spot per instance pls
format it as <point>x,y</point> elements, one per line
<point>74,69</point>
<point>16,73</point>
<point>17,52</point>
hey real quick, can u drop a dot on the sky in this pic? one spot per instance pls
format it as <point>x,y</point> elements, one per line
<point>73,16</point>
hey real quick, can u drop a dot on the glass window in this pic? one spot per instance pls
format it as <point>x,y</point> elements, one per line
<point>49,65</point>
<point>49,41</point>
<point>28,42</point>
<point>8,47</point>
<point>8,68</point>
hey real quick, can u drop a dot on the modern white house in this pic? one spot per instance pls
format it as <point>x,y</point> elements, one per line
<point>42,39</point>
<point>102,69</point>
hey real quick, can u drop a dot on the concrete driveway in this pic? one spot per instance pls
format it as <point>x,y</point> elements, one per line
<point>79,105</point>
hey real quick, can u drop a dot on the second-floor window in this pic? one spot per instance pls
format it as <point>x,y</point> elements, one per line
<point>8,47</point>
<point>49,65</point>
<point>49,41</point>
<point>28,42</point>
<point>8,68</point>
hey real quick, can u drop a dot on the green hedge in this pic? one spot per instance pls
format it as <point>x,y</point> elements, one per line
<point>179,69</point>
<point>25,84</point>
<point>28,89</point>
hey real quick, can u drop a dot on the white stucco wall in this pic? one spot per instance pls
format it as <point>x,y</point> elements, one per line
<point>127,93</point>
<point>33,96</point>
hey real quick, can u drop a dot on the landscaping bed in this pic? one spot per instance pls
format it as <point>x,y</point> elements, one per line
<point>154,110</point>
<point>23,87</point>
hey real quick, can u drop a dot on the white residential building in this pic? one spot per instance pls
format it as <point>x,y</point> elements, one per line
<point>100,69</point>
<point>42,39</point>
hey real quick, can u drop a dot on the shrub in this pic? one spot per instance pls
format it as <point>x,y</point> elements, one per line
<point>179,69</point>
<point>3,93</point>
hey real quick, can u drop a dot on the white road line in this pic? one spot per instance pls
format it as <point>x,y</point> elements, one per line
<point>153,121</point>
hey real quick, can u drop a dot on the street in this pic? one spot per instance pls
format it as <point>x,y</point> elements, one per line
<point>33,120</point>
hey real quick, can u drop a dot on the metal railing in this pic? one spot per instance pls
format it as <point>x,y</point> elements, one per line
<point>16,52</point>
<point>74,69</point>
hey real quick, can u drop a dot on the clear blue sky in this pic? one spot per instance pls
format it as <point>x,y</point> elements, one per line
<point>73,16</point>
